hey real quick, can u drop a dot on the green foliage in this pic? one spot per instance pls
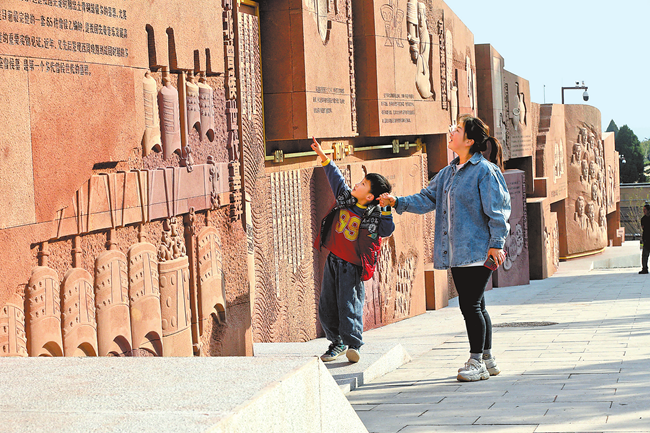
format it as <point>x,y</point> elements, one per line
<point>645,149</point>
<point>612,128</point>
<point>629,147</point>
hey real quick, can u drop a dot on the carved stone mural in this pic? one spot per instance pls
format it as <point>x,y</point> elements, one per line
<point>117,174</point>
<point>144,297</point>
<point>44,309</point>
<point>206,109</point>
<point>177,128</point>
<point>320,8</point>
<point>169,118</point>
<point>313,102</point>
<point>212,294</point>
<point>173,269</point>
<point>112,301</point>
<point>288,239</point>
<point>13,339</point>
<point>515,268</point>
<point>559,158</point>
<point>586,225</point>
<point>419,40</point>
<point>152,139</point>
<point>193,109</point>
<point>518,141</point>
<point>393,17</point>
<point>489,66</point>
<point>78,314</point>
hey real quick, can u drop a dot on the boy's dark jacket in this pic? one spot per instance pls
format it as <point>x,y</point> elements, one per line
<point>368,242</point>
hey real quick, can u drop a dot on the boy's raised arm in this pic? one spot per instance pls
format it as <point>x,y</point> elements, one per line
<point>334,176</point>
<point>319,150</point>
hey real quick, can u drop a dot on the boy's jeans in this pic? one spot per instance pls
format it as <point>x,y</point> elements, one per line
<point>341,302</point>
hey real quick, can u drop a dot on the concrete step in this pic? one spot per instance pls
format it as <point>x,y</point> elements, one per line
<point>219,395</point>
<point>631,261</point>
<point>376,360</point>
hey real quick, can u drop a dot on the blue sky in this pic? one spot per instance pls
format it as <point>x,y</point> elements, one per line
<point>555,43</point>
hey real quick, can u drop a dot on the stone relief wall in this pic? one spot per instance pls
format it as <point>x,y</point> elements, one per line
<point>586,207</point>
<point>309,68</point>
<point>420,47</point>
<point>552,242</point>
<point>285,301</point>
<point>518,141</point>
<point>13,338</point>
<point>135,306</point>
<point>396,290</point>
<point>390,291</point>
<point>587,153</point>
<point>137,244</point>
<point>422,55</point>
<point>515,268</point>
<point>140,295</point>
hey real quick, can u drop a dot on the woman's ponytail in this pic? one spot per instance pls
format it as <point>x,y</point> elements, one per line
<point>494,152</point>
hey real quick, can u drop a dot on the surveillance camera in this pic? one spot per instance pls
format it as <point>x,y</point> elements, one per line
<point>585,96</point>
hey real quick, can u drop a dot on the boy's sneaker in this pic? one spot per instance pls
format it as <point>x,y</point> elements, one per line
<point>353,354</point>
<point>491,366</point>
<point>334,351</point>
<point>474,370</point>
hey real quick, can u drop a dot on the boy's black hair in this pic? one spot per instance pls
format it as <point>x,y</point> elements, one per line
<point>378,185</point>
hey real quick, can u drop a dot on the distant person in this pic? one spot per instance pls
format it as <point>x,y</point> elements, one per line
<point>645,239</point>
<point>352,232</point>
<point>472,206</point>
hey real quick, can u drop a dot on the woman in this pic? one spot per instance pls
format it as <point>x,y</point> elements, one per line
<point>473,207</point>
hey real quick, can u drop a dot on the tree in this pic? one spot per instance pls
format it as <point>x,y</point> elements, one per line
<point>612,128</point>
<point>629,147</point>
<point>645,149</point>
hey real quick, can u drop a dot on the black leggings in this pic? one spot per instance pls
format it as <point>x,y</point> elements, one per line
<point>470,284</point>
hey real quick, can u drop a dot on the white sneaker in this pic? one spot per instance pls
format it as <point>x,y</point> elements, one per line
<point>353,355</point>
<point>491,366</point>
<point>474,370</point>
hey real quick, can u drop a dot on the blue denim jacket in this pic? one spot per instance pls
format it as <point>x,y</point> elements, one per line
<point>480,208</point>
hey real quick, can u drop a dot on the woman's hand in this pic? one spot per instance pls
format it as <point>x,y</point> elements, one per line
<point>319,150</point>
<point>387,200</point>
<point>498,255</point>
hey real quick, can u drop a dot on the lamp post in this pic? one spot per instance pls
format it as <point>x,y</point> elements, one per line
<point>585,95</point>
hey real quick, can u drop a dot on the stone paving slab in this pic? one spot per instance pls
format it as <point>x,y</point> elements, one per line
<point>588,372</point>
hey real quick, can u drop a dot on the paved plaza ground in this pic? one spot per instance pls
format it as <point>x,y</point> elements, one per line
<point>587,372</point>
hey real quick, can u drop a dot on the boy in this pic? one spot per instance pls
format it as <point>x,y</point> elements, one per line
<point>352,232</point>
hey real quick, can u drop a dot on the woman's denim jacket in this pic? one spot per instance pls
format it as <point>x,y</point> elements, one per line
<point>480,208</point>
